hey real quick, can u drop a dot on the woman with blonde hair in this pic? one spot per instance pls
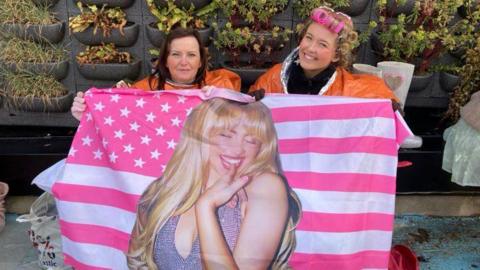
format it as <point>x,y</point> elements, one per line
<point>222,202</point>
<point>318,66</point>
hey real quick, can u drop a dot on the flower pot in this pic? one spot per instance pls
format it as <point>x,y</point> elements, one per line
<point>88,38</point>
<point>57,70</point>
<point>54,104</point>
<point>394,10</point>
<point>184,3</point>
<point>247,73</point>
<point>355,7</point>
<point>110,72</point>
<point>109,3</point>
<point>47,3</point>
<point>448,81</point>
<point>156,37</point>
<point>420,82</point>
<point>48,33</point>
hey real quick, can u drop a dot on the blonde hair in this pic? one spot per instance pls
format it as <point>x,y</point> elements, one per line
<point>183,180</point>
<point>346,40</point>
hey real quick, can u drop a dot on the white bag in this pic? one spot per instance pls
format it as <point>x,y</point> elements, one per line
<point>45,232</point>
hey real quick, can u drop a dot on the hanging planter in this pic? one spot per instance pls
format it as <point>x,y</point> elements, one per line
<point>448,81</point>
<point>420,82</point>
<point>57,70</point>
<point>110,71</point>
<point>108,3</point>
<point>247,73</point>
<point>45,3</point>
<point>355,7</point>
<point>184,4</point>
<point>48,33</point>
<point>156,36</point>
<point>129,37</point>
<point>35,104</point>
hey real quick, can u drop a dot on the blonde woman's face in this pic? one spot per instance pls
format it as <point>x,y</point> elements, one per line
<point>317,49</point>
<point>232,149</point>
<point>183,60</point>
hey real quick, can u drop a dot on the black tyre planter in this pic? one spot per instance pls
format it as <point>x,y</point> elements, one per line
<point>420,82</point>
<point>49,33</point>
<point>376,44</point>
<point>57,70</point>
<point>49,3</point>
<point>110,72</point>
<point>355,7</point>
<point>55,104</point>
<point>88,38</point>
<point>394,10</point>
<point>248,74</point>
<point>448,81</point>
<point>109,3</point>
<point>156,37</point>
<point>184,3</point>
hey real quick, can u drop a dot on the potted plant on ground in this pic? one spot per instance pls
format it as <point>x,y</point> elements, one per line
<point>169,15</point>
<point>94,26</point>
<point>105,62</point>
<point>18,55</point>
<point>26,20</point>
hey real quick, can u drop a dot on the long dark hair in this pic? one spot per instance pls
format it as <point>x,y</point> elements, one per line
<point>161,71</point>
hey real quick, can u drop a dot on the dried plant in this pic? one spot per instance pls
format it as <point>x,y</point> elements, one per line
<point>24,12</point>
<point>103,54</point>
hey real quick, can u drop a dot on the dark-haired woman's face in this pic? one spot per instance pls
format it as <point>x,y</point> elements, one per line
<point>183,60</point>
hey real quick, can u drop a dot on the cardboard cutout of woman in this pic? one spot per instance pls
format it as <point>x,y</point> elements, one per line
<point>222,202</point>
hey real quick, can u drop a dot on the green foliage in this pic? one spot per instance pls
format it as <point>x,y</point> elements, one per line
<point>103,54</point>
<point>15,50</point>
<point>304,7</point>
<point>105,19</point>
<point>171,15</point>
<point>24,12</point>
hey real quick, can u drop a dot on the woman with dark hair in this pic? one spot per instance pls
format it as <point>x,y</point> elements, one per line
<point>182,65</point>
<point>318,66</point>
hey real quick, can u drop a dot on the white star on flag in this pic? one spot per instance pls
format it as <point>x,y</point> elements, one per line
<point>188,111</point>
<point>113,157</point>
<point>165,107</point>
<point>160,131</point>
<point>128,148</point>
<point>72,152</point>
<point>108,121</point>
<point>134,126</point>
<point>124,112</point>
<point>157,94</point>
<point>140,102</point>
<point>104,143</point>
<point>87,140</point>
<point>181,99</point>
<point>97,154</point>
<point>150,117</point>
<point>119,134</point>
<point>175,122</point>
<point>99,106</point>
<point>89,116</point>
<point>115,98</point>
<point>139,162</point>
<point>155,154</point>
<point>171,144</point>
<point>145,140</point>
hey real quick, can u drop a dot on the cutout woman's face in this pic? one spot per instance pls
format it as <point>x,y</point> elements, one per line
<point>183,60</point>
<point>232,149</point>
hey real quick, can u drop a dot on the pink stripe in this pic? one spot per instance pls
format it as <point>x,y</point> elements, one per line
<point>326,222</point>
<point>69,260</point>
<point>94,234</point>
<point>360,260</point>
<point>365,144</point>
<point>350,182</point>
<point>95,195</point>
<point>332,111</point>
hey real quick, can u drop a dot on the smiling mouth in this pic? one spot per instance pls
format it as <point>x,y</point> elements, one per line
<point>309,57</point>
<point>228,162</point>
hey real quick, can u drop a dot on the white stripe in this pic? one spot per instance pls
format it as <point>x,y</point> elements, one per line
<point>342,243</point>
<point>373,126</point>
<point>96,176</point>
<point>96,214</point>
<point>336,202</point>
<point>291,100</point>
<point>95,255</point>
<point>340,163</point>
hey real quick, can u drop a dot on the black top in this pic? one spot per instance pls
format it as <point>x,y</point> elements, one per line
<point>298,83</point>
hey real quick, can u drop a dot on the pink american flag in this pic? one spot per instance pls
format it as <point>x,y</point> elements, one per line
<point>339,154</point>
